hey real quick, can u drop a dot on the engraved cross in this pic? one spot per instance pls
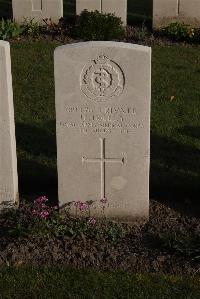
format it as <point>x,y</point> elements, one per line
<point>179,4</point>
<point>103,160</point>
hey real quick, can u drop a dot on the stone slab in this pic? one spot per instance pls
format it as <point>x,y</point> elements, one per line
<point>103,92</point>
<point>37,10</point>
<point>117,7</point>
<point>190,12</point>
<point>166,12</point>
<point>8,160</point>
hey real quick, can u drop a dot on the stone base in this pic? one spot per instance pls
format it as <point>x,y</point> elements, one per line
<point>7,205</point>
<point>163,22</point>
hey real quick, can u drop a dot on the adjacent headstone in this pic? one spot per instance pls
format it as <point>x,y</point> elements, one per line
<point>103,126</point>
<point>117,7</point>
<point>37,10</point>
<point>8,160</point>
<point>190,12</point>
<point>166,12</point>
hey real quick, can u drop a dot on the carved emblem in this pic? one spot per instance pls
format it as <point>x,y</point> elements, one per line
<point>102,80</point>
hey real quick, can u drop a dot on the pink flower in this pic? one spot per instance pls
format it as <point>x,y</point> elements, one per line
<point>82,206</point>
<point>56,207</point>
<point>44,214</point>
<point>92,221</point>
<point>104,200</point>
<point>41,199</point>
<point>43,206</point>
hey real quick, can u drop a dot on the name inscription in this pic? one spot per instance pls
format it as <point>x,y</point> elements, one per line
<point>88,120</point>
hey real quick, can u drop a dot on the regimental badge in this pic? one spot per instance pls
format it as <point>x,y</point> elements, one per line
<point>102,80</point>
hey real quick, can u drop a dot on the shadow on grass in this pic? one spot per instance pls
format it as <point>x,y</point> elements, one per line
<point>175,175</point>
<point>37,159</point>
<point>140,12</point>
<point>191,132</point>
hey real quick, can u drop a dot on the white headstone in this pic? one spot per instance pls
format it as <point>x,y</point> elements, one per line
<point>166,12</point>
<point>103,92</point>
<point>190,12</point>
<point>117,7</point>
<point>8,159</point>
<point>37,10</point>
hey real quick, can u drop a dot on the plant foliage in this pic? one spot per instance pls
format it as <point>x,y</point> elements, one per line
<point>98,26</point>
<point>178,32</point>
<point>9,29</point>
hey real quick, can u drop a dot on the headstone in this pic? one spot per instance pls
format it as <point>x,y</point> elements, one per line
<point>166,12</point>
<point>103,126</point>
<point>190,12</point>
<point>117,7</point>
<point>37,10</point>
<point>8,160</point>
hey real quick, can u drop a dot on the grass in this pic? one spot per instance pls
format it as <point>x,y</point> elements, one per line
<point>60,282</point>
<point>175,121</point>
<point>138,10</point>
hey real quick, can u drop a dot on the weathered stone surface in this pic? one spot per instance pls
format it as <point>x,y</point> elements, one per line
<point>103,124</point>
<point>190,11</point>
<point>166,12</point>
<point>37,10</point>
<point>8,160</point>
<point>117,7</point>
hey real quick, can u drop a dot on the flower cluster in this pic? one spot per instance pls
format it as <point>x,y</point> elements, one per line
<point>82,206</point>
<point>85,206</point>
<point>41,209</point>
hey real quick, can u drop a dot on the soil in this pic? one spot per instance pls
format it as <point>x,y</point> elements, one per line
<point>139,251</point>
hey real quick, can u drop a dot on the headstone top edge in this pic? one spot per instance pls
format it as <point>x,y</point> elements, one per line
<point>4,43</point>
<point>105,44</point>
